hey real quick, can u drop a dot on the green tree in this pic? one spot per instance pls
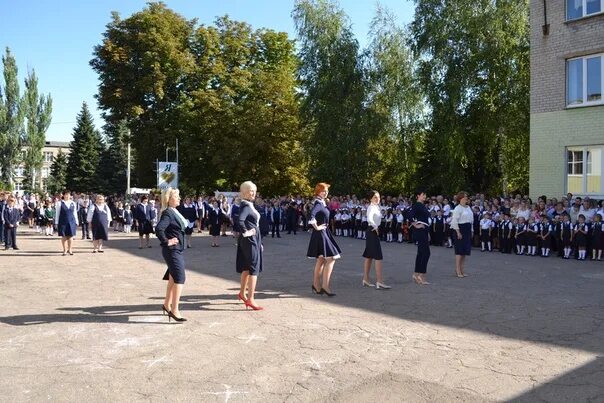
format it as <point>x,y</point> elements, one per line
<point>141,65</point>
<point>57,180</point>
<point>244,111</point>
<point>395,97</point>
<point>12,114</point>
<point>85,155</point>
<point>475,72</point>
<point>114,159</point>
<point>335,91</point>
<point>38,109</point>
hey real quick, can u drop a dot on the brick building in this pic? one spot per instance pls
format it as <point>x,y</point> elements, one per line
<point>567,108</point>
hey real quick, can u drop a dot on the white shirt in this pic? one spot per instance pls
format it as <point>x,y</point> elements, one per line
<point>486,223</point>
<point>461,215</point>
<point>374,216</point>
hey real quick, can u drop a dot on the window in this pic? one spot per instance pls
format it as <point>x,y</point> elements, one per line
<point>45,172</point>
<point>582,8</point>
<point>18,186</point>
<point>584,170</point>
<point>48,156</point>
<point>584,80</point>
<point>20,171</point>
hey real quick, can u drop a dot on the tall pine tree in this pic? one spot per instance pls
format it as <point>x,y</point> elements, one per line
<point>38,109</point>
<point>85,155</point>
<point>12,114</point>
<point>58,174</point>
<point>114,158</point>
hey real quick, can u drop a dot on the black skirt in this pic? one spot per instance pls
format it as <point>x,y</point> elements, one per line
<point>373,248</point>
<point>249,254</point>
<point>176,264</point>
<point>463,246</point>
<point>322,244</point>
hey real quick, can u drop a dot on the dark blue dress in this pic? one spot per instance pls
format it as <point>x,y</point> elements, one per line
<point>420,235</point>
<point>100,226</point>
<point>169,226</point>
<point>249,249</point>
<point>322,243</point>
<point>66,225</point>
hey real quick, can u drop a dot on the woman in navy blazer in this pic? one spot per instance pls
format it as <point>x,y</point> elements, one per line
<point>249,245</point>
<point>170,231</point>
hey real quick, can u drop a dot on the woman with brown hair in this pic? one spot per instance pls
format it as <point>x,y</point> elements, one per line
<point>462,220</point>
<point>322,245</point>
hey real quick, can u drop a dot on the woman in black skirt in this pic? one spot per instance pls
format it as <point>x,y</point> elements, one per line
<point>99,217</point>
<point>462,226</point>
<point>373,249</point>
<point>170,231</point>
<point>322,245</point>
<point>249,245</point>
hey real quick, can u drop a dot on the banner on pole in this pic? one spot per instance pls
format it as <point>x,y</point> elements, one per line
<point>167,175</point>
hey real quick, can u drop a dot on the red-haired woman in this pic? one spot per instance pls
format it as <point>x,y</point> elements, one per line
<point>322,245</point>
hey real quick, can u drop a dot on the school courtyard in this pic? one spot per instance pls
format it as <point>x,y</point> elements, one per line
<point>89,328</point>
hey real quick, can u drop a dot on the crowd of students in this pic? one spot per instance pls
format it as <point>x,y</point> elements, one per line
<point>568,227</point>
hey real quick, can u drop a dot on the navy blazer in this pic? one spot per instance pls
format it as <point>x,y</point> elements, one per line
<point>142,215</point>
<point>11,217</point>
<point>170,227</point>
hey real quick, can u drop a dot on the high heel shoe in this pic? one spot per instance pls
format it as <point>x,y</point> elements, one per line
<point>164,309</point>
<point>248,304</point>
<point>382,286</point>
<point>367,284</point>
<point>329,294</point>
<point>176,318</point>
<point>314,290</point>
<point>240,296</point>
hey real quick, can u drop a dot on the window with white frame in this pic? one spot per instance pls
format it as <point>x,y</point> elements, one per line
<point>584,170</point>
<point>20,171</point>
<point>584,84</point>
<point>48,156</point>
<point>583,8</point>
<point>18,186</point>
<point>45,172</point>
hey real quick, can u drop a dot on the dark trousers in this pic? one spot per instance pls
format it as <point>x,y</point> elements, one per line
<point>291,225</point>
<point>10,237</point>
<point>276,228</point>
<point>504,246</point>
<point>423,249</point>
<point>85,231</point>
<point>2,234</point>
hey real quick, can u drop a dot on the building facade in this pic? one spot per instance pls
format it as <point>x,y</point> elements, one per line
<point>567,107</point>
<point>49,152</point>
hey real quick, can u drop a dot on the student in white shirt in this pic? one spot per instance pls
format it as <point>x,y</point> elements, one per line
<point>373,249</point>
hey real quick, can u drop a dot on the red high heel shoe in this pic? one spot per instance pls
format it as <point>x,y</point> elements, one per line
<point>248,304</point>
<point>241,297</point>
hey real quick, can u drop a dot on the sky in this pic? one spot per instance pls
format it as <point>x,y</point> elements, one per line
<point>56,39</point>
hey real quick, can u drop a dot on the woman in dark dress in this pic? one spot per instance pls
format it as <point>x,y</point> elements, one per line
<point>215,217</point>
<point>99,217</point>
<point>67,221</point>
<point>322,245</point>
<point>420,225</point>
<point>249,245</point>
<point>170,231</point>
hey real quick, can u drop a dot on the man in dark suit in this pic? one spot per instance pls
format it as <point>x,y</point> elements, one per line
<point>83,217</point>
<point>11,217</point>
<point>2,206</point>
<point>143,217</point>
<point>276,216</point>
<point>291,214</point>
